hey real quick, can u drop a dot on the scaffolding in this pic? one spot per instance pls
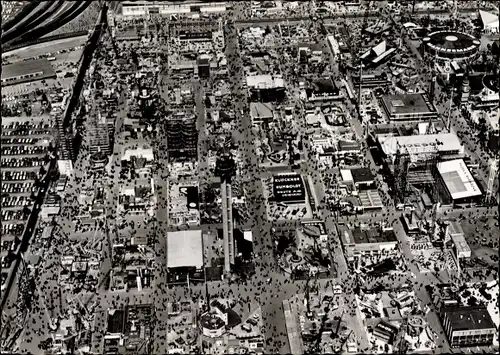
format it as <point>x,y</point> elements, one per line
<point>414,165</point>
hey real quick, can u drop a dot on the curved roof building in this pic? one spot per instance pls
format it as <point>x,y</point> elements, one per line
<point>452,45</point>
<point>490,82</point>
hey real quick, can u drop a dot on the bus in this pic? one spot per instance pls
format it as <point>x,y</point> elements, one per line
<point>51,59</point>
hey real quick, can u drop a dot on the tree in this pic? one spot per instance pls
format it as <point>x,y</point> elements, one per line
<point>472,301</point>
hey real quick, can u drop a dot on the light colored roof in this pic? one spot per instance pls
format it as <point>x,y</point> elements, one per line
<point>370,198</point>
<point>488,18</point>
<point>312,118</point>
<point>247,235</point>
<point>261,110</point>
<point>458,179</point>
<point>265,81</point>
<point>460,243</point>
<point>138,153</point>
<point>409,24</point>
<point>184,248</point>
<point>346,175</point>
<point>380,48</point>
<point>422,127</point>
<point>383,55</point>
<point>380,51</point>
<point>454,227</point>
<point>421,143</point>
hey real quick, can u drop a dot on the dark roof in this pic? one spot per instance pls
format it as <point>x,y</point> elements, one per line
<point>451,40</point>
<point>361,175</point>
<point>211,321</point>
<point>140,162</point>
<point>387,327</point>
<point>26,68</point>
<point>490,81</point>
<point>233,319</point>
<point>203,61</point>
<point>349,145</point>
<point>127,33</point>
<point>115,321</point>
<point>469,318</point>
<point>288,188</point>
<point>373,236</point>
<point>407,103</point>
<point>220,306</point>
<point>475,83</point>
<point>312,46</point>
<point>324,86</point>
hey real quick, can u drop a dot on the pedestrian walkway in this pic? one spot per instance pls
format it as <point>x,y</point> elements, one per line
<point>292,328</point>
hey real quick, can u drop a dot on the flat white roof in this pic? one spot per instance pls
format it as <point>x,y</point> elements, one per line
<point>421,143</point>
<point>265,81</point>
<point>346,175</point>
<point>138,153</point>
<point>488,18</point>
<point>460,243</point>
<point>312,119</point>
<point>248,235</point>
<point>458,179</point>
<point>409,24</point>
<point>380,48</point>
<point>380,51</point>
<point>184,248</point>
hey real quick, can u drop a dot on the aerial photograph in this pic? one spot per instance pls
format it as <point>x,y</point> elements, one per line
<point>250,177</point>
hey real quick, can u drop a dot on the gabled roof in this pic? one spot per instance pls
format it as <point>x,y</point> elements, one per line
<point>261,110</point>
<point>380,48</point>
<point>487,17</point>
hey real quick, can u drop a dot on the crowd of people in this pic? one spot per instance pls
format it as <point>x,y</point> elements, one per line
<point>85,21</point>
<point>263,285</point>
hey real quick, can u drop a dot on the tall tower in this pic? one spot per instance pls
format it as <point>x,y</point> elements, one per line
<point>182,136</point>
<point>433,85</point>
<point>65,152</point>
<point>225,168</point>
<point>465,91</point>
<point>360,85</point>
<point>448,121</point>
<point>99,140</point>
<point>491,179</point>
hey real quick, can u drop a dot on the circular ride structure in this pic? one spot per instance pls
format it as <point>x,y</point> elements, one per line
<point>452,45</point>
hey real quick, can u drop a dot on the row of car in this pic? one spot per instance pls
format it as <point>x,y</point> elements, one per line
<point>13,201</point>
<point>19,140</point>
<point>26,132</point>
<point>15,229</point>
<point>22,149</point>
<point>12,215</point>
<point>21,163</point>
<point>19,188</point>
<point>26,125</point>
<point>18,175</point>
